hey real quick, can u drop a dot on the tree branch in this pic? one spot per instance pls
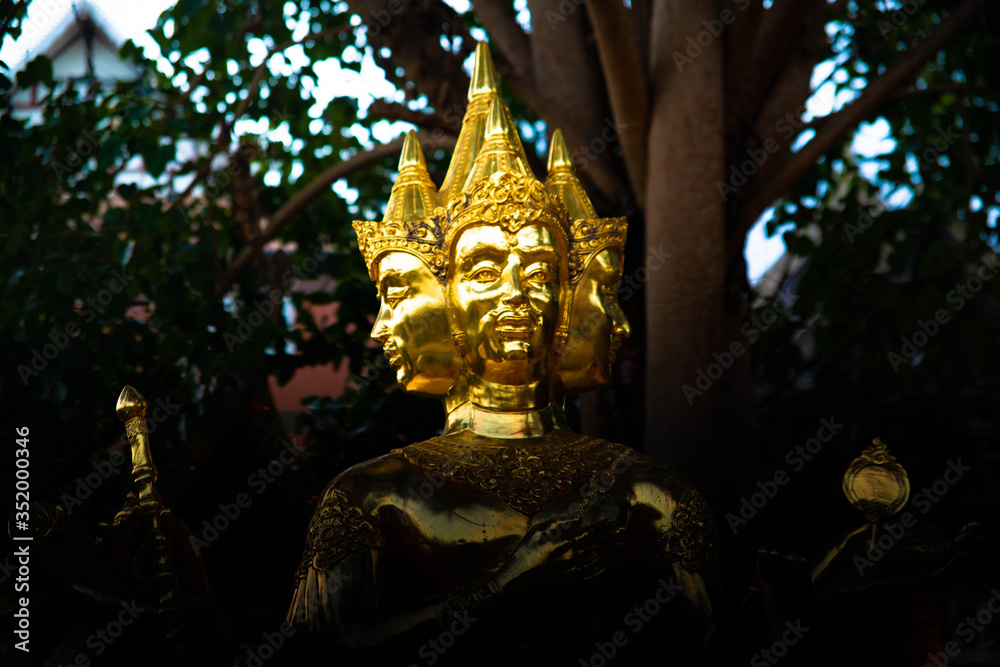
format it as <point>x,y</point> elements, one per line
<point>841,122</point>
<point>226,128</point>
<point>508,37</point>
<point>772,52</point>
<point>964,89</point>
<point>573,98</point>
<point>788,90</point>
<point>626,78</point>
<point>396,111</point>
<point>318,186</point>
<point>740,40</point>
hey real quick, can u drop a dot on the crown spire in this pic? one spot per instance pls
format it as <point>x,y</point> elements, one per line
<point>414,196</point>
<point>411,155</point>
<point>411,222</point>
<point>483,89</point>
<point>563,183</point>
<point>501,151</point>
<point>484,75</point>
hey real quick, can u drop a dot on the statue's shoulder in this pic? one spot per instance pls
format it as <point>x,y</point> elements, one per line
<point>366,485</point>
<point>679,514</point>
<point>654,480</point>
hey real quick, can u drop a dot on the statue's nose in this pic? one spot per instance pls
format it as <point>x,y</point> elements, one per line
<point>514,294</point>
<point>621,326</point>
<point>380,332</point>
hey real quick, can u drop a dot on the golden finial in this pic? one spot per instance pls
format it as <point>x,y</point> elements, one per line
<point>501,188</point>
<point>414,196</point>
<point>484,75</point>
<point>563,183</point>
<point>130,404</point>
<point>411,156</point>
<point>588,233</point>
<point>875,483</point>
<point>410,223</point>
<point>559,157</point>
<point>131,409</point>
<point>483,89</point>
<point>502,151</point>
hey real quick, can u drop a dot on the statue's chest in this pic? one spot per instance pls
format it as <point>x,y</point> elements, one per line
<point>467,508</point>
<point>522,479</point>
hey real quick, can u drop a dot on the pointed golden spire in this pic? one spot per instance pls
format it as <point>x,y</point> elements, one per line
<point>484,76</point>
<point>411,156</point>
<point>502,150</point>
<point>559,157</point>
<point>563,183</point>
<point>483,89</point>
<point>411,220</point>
<point>414,196</point>
<point>130,404</point>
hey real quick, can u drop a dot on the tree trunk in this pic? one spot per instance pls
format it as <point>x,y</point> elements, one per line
<point>685,217</point>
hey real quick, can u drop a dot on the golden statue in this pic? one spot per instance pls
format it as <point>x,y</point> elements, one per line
<point>498,295</point>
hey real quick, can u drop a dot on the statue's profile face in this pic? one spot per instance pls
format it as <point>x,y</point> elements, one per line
<point>505,298</point>
<point>597,325</point>
<point>412,325</point>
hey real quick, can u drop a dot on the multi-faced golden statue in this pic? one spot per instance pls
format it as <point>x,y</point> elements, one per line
<point>508,532</point>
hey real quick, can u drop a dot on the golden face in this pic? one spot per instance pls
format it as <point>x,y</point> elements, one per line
<point>505,298</point>
<point>412,325</point>
<point>597,325</point>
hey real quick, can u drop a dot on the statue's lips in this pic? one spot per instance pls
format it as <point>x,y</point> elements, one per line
<point>392,354</point>
<point>516,326</point>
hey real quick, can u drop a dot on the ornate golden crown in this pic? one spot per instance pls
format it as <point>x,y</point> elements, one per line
<point>501,190</point>
<point>412,221</point>
<point>488,181</point>
<point>588,234</point>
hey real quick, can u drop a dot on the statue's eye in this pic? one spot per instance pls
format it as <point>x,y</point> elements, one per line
<point>394,295</point>
<point>485,275</point>
<point>609,290</point>
<point>540,275</point>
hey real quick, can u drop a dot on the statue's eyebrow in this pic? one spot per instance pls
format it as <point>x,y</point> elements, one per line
<point>385,275</point>
<point>541,253</point>
<point>491,251</point>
